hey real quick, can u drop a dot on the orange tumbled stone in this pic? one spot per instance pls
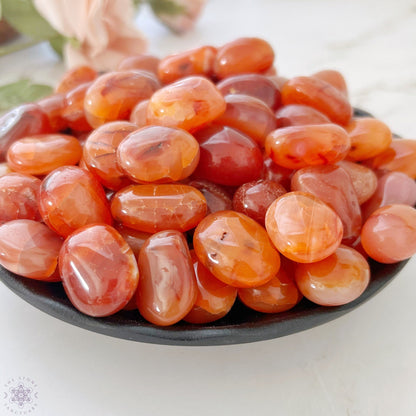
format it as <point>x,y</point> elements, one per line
<point>75,77</point>
<point>53,106</point>
<point>98,269</point>
<point>333,77</point>
<point>41,154</point>
<point>299,115</point>
<point>142,62</point>
<point>303,228</point>
<point>236,249</point>
<point>158,154</point>
<point>134,238</point>
<point>189,103</point>
<point>138,115</point>
<point>30,249</point>
<point>152,208</point>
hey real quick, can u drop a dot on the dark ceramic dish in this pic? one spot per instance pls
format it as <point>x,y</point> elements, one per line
<point>241,325</point>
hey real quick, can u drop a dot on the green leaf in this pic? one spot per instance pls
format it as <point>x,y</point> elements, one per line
<point>169,7</point>
<point>23,16</point>
<point>57,43</point>
<point>22,91</point>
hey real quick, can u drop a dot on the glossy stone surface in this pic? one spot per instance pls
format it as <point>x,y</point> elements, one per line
<point>157,154</point>
<point>4,169</point>
<point>333,77</point>
<point>299,115</point>
<point>142,62</point>
<point>235,249</point>
<point>134,238</point>
<point>41,154</point>
<point>199,61</point>
<point>303,228</point>
<point>253,198</point>
<point>276,173</point>
<point>75,77</point>
<point>333,185</point>
<point>227,156</point>
<point>189,103</point>
<point>388,235</point>
<point>153,208</point>
<point>98,270</point>
<point>100,153</point>
<point>320,95</point>
<point>339,279</point>
<point>52,106</point>
<point>295,147</point>
<point>70,198</point>
<point>30,249</point>
<point>278,295</point>
<point>167,288</point>
<point>138,115</point>
<point>113,95</point>
<point>19,196</point>
<point>242,56</point>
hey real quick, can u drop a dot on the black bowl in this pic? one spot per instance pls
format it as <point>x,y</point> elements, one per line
<point>241,325</point>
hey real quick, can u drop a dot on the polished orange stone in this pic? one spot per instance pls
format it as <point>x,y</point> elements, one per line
<point>138,115</point>
<point>113,95</point>
<point>303,228</point>
<point>143,62</point>
<point>299,115</point>
<point>320,95</point>
<point>278,295</point>
<point>273,172</point>
<point>30,249</point>
<point>189,103</point>
<point>19,194</point>
<point>53,106</point>
<point>4,169</point>
<point>152,208</point>
<point>295,147</point>
<point>98,269</point>
<point>167,288</point>
<point>41,154</point>
<point>333,77</point>
<point>100,153</point>
<point>242,56</point>
<point>134,238</point>
<point>75,77</point>
<point>236,249</point>
<point>199,61</point>
<point>70,198</point>
<point>339,279</point>
<point>157,154</point>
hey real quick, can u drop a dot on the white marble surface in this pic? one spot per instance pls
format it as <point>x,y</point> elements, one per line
<point>361,364</point>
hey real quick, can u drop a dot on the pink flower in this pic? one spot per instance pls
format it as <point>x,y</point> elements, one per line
<point>182,22</point>
<point>101,32</point>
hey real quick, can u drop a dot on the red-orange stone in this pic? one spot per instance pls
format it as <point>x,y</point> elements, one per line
<point>298,146</point>
<point>142,62</point>
<point>214,299</point>
<point>70,198</point>
<point>98,270</point>
<point>112,96</point>
<point>303,228</point>
<point>299,115</point>
<point>199,61</point>
<point>320,95</point>
<point>236,249</point>
<point>134,238</point>
<point>278,295</point>
<point>75,77</point>
<point>243,55</point>
<point>153,208</point>
<point>333,77</point>
<point>167,288</point>
<point>53,106</point>
<point>138,115</point>
<point>19,195</point>
<point>100,153</point>
<point>189,103</point>
<point>41,154</point>
<point>157,154</point>
<point>339,279</point>
<point>4,169</point>
<point>276,173</point>
<point>30,249</point>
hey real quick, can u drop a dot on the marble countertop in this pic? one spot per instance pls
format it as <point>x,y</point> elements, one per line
<point>361,364</point>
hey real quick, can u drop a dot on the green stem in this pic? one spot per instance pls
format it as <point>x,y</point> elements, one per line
<point>5,50</point>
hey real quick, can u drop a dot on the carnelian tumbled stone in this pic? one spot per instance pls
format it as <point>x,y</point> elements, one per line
<point>53,106</point>
<point>278,295</point>
<point>333,77</point>
<point>19,195</point>
<point>276,173</point>
<point>188,103</point>
<point>242,56</point>
<point>134,238</point>
<point>100,153</point>
<point>98,270</point>
<point>388,235</point>
<point>295,147</point>
<point>41,154</point>
<point>158,154</point>
<point>303,228</point>
<point>320,95</point>
<point>138,115</point>
<point>167,288</point>
<point>30,249</point>
<point>112,96</point>
<point>142,62</point>
<point>152,208</point>
<point>299,115</point>
<point>70,198</point>
<point>214,299</point>
<point>236,249</point>
<point>339,279</point>
<point>75,77</point>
